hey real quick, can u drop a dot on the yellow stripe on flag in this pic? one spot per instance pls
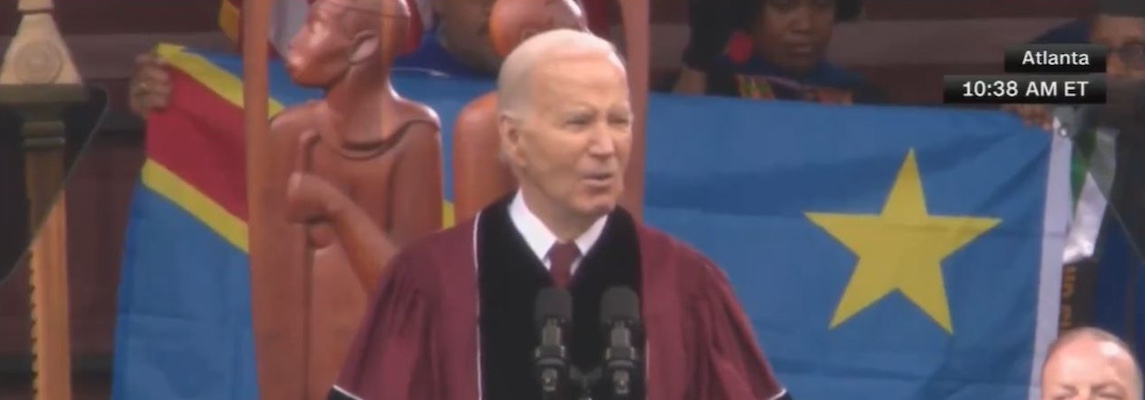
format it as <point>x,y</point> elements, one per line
<point>230,88</point>
<point>447,214</point>
<point>229,16</point>
<point>218,80</point>
<point>164,182</point>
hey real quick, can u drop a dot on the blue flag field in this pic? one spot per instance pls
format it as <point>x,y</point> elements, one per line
<point>891,253</point>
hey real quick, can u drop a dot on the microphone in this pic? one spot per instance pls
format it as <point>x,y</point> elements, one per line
<point>552,312</point>
<point>620,315</point>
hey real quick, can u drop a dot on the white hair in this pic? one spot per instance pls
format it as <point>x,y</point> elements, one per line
<point>517,69</point>
<point>1099,335</point>
<point>513,80</point>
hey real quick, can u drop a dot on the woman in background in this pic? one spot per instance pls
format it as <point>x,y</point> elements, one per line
<point>770,50</point>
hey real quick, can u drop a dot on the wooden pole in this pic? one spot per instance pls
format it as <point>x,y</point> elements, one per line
<point>50,324</point>
<point>636,15</point>
<point>39,79</point>
<point>256,86</point>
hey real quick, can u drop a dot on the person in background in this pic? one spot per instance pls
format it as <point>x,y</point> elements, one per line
<point>1089,363</point>
<point>1120,25</point>
<point>1109,143</point>
<point>456,43</point>
<point>770,50</point>
<point>1076,31</point>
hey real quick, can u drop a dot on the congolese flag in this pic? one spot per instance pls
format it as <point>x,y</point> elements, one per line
<point>880,252</point>
<point>886,253</point>
<point>183,328</point>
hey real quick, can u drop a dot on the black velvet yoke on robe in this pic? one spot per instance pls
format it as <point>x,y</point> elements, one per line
<point>510,275</point>
<point>418,340</point>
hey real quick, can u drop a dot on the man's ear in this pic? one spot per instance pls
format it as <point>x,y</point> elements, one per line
<point>365,46</point>
<point>508,129</point>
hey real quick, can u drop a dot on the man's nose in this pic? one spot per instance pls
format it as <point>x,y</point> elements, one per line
<point>603,143</point>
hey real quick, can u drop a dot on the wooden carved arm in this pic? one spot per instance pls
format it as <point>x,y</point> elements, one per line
<point>312,200</point>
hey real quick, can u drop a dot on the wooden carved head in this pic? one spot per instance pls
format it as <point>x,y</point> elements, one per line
<point>340,35</point>
<point>513,21</point>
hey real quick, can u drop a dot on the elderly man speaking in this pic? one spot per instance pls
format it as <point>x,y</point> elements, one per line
<point>453,318</point>
<point>1089,363</point>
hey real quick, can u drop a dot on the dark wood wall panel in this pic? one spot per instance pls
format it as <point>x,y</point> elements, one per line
<point>99,194</point>
<point>83,17</point>
<point>138,16</point>
<point>676,11</point>
<point>975,9</point>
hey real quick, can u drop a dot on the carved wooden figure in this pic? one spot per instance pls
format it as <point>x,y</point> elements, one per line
<point>352,177</point>
<point>39,79</point>
<point>479,176</point>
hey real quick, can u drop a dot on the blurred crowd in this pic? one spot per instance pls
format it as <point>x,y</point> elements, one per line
<point>757,49</point>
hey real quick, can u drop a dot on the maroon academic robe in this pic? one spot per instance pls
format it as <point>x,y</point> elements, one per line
<point>420,339</point>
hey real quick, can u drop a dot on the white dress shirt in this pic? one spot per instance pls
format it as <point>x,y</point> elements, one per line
<point>540,239</point>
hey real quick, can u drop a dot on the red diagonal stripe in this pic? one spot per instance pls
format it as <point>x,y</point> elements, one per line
<point>200,139</point>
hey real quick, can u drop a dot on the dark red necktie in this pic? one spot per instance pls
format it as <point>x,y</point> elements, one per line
<point>562,255</point>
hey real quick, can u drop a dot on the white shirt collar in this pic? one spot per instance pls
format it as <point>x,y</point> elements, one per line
<point>540,239</point>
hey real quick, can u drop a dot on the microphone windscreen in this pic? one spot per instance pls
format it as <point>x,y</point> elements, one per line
<point>552,303</point>
<point>619,304</point>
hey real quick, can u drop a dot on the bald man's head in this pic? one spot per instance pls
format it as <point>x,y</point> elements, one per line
<point>1088,363</point>
<point>513,82</point>
<point>565,124</point>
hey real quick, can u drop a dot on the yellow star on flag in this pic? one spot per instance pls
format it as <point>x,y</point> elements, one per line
<point>901,249</point>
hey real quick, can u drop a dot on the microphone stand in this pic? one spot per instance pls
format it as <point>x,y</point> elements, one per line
<point>620,317</point>
<point>621,361</point>
<point>550,360</point>
<point>586,381</point>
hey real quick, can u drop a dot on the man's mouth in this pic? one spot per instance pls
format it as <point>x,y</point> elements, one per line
<point>599,178</point>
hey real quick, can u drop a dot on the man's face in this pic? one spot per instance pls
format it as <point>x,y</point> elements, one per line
<point>1089,369</point>
<point>573,141</point>
<point>465,29</point>
<point>1125,37</point>
<point>794,34</point>
<point>319,52</point>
